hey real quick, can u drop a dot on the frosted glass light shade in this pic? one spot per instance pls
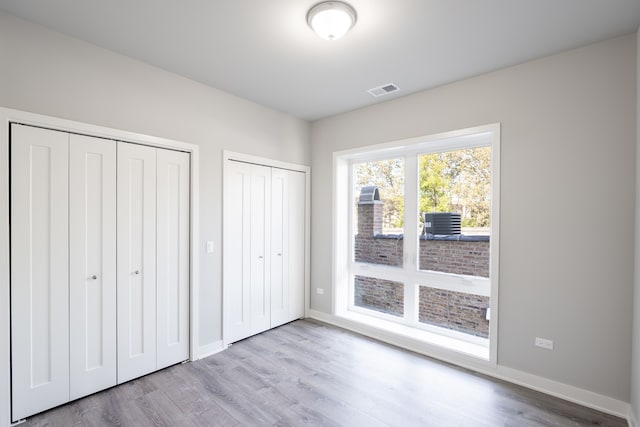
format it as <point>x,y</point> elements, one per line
<point>331,19</point>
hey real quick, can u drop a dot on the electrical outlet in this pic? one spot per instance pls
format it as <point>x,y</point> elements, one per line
<point>209,247</point>
<point>320,291</point>
<point>544,343</point>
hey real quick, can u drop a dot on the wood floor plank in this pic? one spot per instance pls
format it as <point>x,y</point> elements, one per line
<point>215,416</point>
<point>307,373</point>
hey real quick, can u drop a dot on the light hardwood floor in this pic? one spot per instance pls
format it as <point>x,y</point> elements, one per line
<point>309,373</point>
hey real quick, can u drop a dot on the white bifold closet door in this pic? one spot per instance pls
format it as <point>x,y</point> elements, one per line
<point>136,261</point>
<point>236,294</point>
<point>246,247</point>
<point>263,260</point>
<point>92,266</point>
<point>172,291</point>
<point>287,245</point>
<point>99,264</point>
<point>153,259</point>
<point>39,269</point>
<point>259,266</point>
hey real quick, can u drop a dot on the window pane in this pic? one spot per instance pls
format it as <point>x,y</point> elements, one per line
<point>457,311</point>
<point>455,211</point>
<point>379,211</point>
<point>380,295</point>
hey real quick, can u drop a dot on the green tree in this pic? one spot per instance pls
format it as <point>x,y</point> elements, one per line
<point>452,181</point>
<point>471,185</point>
<point>458,181</point>
<point>388,176</point>
<point>435,182</point>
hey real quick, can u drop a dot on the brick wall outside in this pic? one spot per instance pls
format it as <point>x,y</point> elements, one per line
<point>380,295</point>
<point>455,256</point>
<point>370,218</point>
<point>448,309</point>
<point>380,250</point>
<point>447,256</point>
<point>454,310</point>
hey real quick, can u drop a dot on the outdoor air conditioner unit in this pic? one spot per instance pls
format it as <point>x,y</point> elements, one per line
<point>442,223</point>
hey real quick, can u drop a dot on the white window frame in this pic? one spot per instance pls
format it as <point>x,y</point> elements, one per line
<point>345,268</point>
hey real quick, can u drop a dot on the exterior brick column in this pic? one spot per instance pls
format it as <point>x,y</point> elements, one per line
<point>370,218</point>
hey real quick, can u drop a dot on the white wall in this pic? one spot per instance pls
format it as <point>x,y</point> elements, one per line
<point>635,365</point>
<point>567,202</point>
<point>47,73</point>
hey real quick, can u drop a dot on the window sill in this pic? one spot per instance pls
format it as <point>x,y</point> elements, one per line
<point>477,350</point>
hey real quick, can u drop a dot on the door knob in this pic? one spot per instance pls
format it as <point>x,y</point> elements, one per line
<point>259,256</point>
<point>94,277</point>
<point>136,272</point>
<point>279,254</point>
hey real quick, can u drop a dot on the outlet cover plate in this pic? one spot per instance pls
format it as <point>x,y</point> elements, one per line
<point>544,343</point>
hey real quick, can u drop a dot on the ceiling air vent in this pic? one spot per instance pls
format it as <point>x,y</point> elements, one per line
<point>384,89</point>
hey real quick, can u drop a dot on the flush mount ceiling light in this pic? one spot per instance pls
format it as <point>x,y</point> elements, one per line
<point>331,19</point>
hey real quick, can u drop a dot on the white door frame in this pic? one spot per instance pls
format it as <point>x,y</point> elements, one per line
<point>7,116</point>
<point>228,156</point>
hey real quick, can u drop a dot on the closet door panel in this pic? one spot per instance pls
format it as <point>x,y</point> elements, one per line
<point>260,212</point>
<point>287,246</point>
<point>92,267</point>
<point>295,253</point>
<point>136,271</point>
<point>279,248</point>
<point>172,257</point>
<point>237,252</point>
<point>39,269</point>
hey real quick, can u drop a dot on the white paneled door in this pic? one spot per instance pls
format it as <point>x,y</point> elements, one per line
<point>39,269</point>
<point>237,245</point>
<point>92,266</point>
<point>296,254</point>
<point>136,270</point>
<point>279,247</point>
<point>260,242</point>
<point>264,248</point>
<point>100,269</point>
<point>287,245</point>
<point>172,257</point>
<point>247,298</point>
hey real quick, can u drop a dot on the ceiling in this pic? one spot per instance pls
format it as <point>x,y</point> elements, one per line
<point>263,50</point>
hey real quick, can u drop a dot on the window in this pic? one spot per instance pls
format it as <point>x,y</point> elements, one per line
<point>417,236</point>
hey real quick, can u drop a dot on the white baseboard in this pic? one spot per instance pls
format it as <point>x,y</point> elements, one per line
<point>631,419</point>
<point>210,349</point>
<point>563,391</point>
